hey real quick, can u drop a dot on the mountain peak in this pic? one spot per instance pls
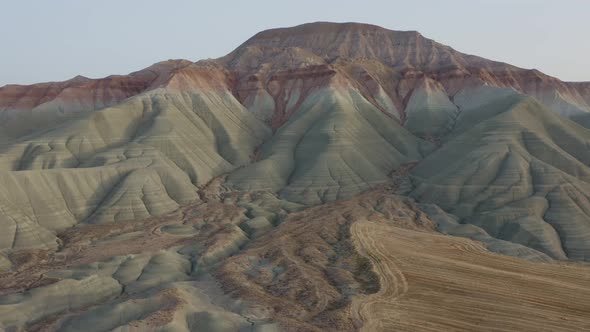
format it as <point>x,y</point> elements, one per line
<point>358,41</point>
<point>321,27</point>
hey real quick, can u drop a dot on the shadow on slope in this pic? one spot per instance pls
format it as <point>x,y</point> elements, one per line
<point>520,174</point>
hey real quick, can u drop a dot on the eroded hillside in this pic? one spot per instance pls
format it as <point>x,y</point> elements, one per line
<point>301,182</point>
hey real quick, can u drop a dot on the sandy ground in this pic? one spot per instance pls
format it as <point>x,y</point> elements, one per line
<point>431,282</point>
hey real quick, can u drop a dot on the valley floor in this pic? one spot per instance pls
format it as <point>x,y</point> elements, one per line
<point>431,282</point>
<point>239,261</point>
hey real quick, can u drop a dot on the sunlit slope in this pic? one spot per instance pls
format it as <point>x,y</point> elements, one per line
<point>520,174</point>
<point>335,145</point>
<point>140,158</point>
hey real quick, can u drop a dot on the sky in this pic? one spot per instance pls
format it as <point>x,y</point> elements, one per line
<point>53,40</point>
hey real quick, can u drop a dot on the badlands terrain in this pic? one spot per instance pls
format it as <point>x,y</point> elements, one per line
<point>323,177</point>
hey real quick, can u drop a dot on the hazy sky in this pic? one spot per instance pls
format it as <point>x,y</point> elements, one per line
<point>48,40</point>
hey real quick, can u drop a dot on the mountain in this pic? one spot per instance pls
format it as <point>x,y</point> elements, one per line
<point>294,184</point>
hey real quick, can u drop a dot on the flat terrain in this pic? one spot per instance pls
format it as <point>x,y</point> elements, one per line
<point>431,282</point>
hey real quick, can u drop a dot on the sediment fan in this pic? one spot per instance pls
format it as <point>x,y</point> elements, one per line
<point>325,159</point>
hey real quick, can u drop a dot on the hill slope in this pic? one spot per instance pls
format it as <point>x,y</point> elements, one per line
<point>298,183</point>
<point>521,175</point>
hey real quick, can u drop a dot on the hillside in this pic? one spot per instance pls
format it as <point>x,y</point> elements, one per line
<point>320,177</point>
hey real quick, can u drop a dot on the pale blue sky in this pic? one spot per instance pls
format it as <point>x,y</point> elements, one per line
<point>49,40</point>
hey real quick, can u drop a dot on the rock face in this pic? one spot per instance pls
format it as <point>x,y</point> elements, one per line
<point>141,186</point>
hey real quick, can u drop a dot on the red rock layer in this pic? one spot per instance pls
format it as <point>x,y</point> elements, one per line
<point>289,63</point>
